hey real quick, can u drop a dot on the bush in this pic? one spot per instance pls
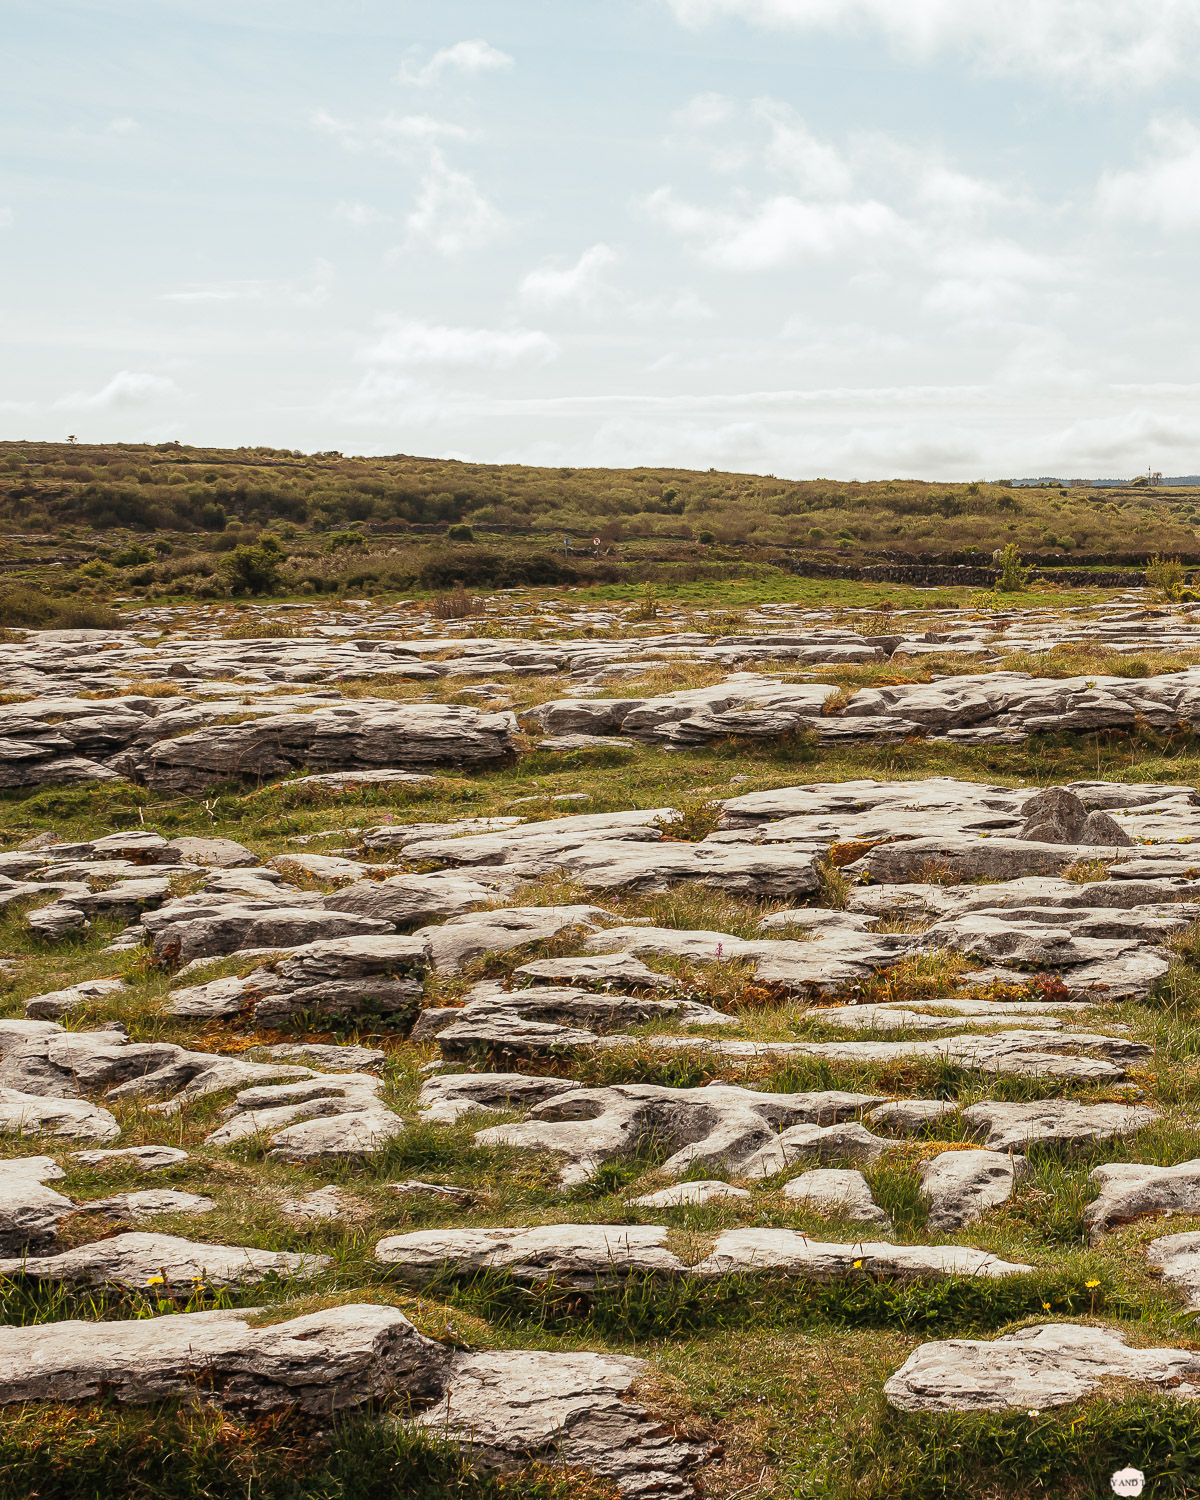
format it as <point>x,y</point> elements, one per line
<point>706,538</point>
<point>253,570</point>
<point>460,534</point>
<point>339,539</point>
<point>21,605</point>
<point>133,556</point>
<point>1165,574</point>
<point>1013,574</point>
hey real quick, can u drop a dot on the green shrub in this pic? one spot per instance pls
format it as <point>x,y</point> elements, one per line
<point>1013,574</point>
<point>1165,574</point>
<point>460,534</point>
<point>253,570</point>
<point>339,539</point>
<point>23,605</point>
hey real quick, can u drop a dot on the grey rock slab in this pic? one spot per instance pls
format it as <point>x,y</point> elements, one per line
<point>971,859</point>
<point>352,1135</point>
<point>576,1255</point>
<point>836,1190</point>
<point>564,744</point>
<point>144,1158</point>
<point>339,738</point>
<point>503,1037</point>
<point>449,1097</point>
<point>320,1205</point>
<point>719,1125</point>
<point>29,1210</point>
<point>216,1000</point>
<point>1177,1258</point>
<point>58,921</point>
<point>1131,1190</point>
<point>962,1185</point>
<point>390,836</point>
<point>328,1057</point>
<point>738,1251</point>
<point>61,1002</point>
<point>460,939</point>
<point>752,871</point>
<point>354,781</point>
<point>240,926</point>
<point>406,899</point>
<point>137,1261</point>
<point>847,1141</point>
<point>605,969</point>
<point>691,1194</point>
<point>910,1116</point>
<point>148,1203</point>
<point>322,1363</point>
<point>1010,1127</point>
<point>69,1119</point>
<point>1047,1365</point>
<point>1058,816</point>
<point>598,1012</point>
<point>508,1408</point>
<point>816,920</point>
<point>524,842</point>
<point>219,853</point>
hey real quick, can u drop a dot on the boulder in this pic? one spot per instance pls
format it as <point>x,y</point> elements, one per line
<point>841,1191</point>
<point>144,1158</point>
<point>1057,816</point>
<point>602,969</point>
<point>220,854</point>
<point>910,1116</point>
<point>69,1119</point>
<point>406,899</point>
<point>447,1098</point>
<point>962,1185</point>
<point>461,939</point>
<point>58,921</point>
<point>1046,1365</point>
<point>1177,1258</point>
<point>140,1262</point>
<point>690,1195</point>
<point>57,1003</point>
<point>148,1204</point>
<point>1131,1190</point>
<point>321,1363</point>
<point>743,1251</point>
<point>1010,1127</point>
<point>30,1211</point>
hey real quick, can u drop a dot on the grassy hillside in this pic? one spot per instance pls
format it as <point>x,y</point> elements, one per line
<point>171,520</point>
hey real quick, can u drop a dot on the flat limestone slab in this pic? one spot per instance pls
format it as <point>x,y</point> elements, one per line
<point>143,1261</point>
<point>29,1210</point>
<point>689,1194</point>
<point>963,1185</point>
<point>590,1255</point>
<point>324,1362</point>
<point>509,1407</point>
<point>1050,1364</point>
<point>1009,1127</point>
<point>837,1190</point>
<point>1177,1256</point>
<point>1131,1190</point>
<point>72,1119</point>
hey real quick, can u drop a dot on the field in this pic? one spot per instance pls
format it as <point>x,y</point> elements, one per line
<point>778,1378</point>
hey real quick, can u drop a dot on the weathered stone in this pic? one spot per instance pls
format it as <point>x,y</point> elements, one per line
<point>144,1158</point>
<point>840,1191</point>
<point>460,939</point>
<point>1177,1258</point>
<point>752,871</point>
<point>246,925</point>
<point>734,1128</point>
<point>910,1116</point>
<point>963,860</point>
<point>142,1261</point>
<point>221,854</point>
<point>343,738</point>
<point>344,1057</point>
<point>1047,1365</point>
<point>71,1119</point>
<point>406,899</point>
<point>321,1204</point>
<point>61,1002</point>
<point>321,1363</point>
<point>1131,1190</point>
<point>564,744</point>
<point>507,1408</point>
<point>445,1099</point>
<point>148,1203</point>
<point>603,969</point>
<point>30,1211</point>
<point>322,1116</point>
<point>1057,816</point>
<point>741,1251</point>
<point>58,921</point>
<point>962,1185</point>
<point>576,1255</point>
<point>1010,1127</point>
<point>690,1194</point>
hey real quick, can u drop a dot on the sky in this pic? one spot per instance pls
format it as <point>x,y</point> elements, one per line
<point>857,239</point>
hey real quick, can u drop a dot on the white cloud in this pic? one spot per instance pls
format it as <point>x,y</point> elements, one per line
<point>779,230</point>
<point>128,388</point>
<point>359,215</point>
<point>391,135</point>
<point>301,291</point>
<point>123,125</point>
<point>7,217</point>
<point>415,343</point>
<point>1107,42</point>
<point>581,284</point>
<point>475,56</point>
<point>1165,190</point>
<point>451,213</point>
<point>793,151</point>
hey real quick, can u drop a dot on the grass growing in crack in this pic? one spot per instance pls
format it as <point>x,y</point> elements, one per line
<point>640,1308</point>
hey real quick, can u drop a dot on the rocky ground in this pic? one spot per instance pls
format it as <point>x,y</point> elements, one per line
<point>570,1053</point>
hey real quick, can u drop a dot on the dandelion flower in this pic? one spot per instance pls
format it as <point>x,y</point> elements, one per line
<point>155,1280</point>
